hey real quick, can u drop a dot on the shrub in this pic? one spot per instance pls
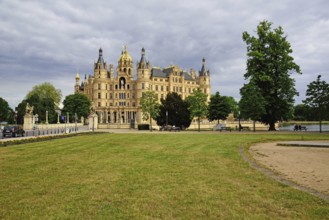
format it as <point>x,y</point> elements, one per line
<point>143,127</point>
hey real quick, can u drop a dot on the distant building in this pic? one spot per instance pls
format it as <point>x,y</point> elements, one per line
<point>116,95</point>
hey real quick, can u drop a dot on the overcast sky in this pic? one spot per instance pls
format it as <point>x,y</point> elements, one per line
<point>49,41</point>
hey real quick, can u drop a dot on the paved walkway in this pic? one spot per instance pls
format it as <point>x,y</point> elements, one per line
<point>304,143</point>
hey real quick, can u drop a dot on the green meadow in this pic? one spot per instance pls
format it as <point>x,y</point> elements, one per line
<point>147,176</point>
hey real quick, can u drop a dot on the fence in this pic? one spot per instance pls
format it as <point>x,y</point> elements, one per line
<point>53,131</point>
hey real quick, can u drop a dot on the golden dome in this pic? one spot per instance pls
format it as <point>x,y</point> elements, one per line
<point>125,55</point>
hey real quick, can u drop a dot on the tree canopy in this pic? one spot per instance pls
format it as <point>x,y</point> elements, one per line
<point>6,113</point>
<point>269,66</point>
<point>46,91</point>
<point>197,105</point>
<point>150,106</point>
<point>317,97</point>
<point>219,107</point>
<point>176,110</point>
<point>76,104</point>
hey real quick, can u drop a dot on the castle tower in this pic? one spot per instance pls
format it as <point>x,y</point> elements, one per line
<point>143,67</point>
<point>77,83</point>
<point>143,79</point>
<point>125,65</point>
<point>204,79</point>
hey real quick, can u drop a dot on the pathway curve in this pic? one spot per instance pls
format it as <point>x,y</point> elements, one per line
<point>304,168</point>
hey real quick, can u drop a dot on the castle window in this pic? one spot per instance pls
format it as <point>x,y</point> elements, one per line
<point>111,87</point>
<point>116,87</point>
<point>133,104</point>
<point>128,86</point>
<point>111,104</point>
<point>161,96</point>
<point>156,87</point>
<point>99,95</point>
<point>99,104</point>
<point>180,89</point>
<point>106,86</point>
<point>133,95</point>
<point>161,88</point>
<point>111,96</point>
<point>116,95</point>
<point>106,97</point>
<point>143,87</point>
<point>167,88</point>
<point>99,86</point>
<point>128,95</point>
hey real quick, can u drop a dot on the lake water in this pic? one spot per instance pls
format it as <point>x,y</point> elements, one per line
<point>311,127</point>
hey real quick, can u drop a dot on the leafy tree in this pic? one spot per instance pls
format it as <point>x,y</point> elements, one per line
<point>234,106</point>
<point>269,66</point>
<point>317,94</point>
<point>46,91</point>
<point>177,109</point>
<point>6,113</point>
<point>150,106</point>
<point>252,103</point>
<point>197,105</point>
<point>77,103</point>
<point>219,107</point>
<point>303,112</point>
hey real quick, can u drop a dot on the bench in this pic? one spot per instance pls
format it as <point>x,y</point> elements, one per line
<point>222,127</point>
<point>300,128</point>
<point>225,129</point>
<point>244,128</point>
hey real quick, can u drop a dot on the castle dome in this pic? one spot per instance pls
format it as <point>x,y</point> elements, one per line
<point>125,56</point>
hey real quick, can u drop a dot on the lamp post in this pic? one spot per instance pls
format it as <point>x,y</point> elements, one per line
<point>93,116</point>
<point>16,116</point>
<point>75,116</point>
<point>239,122</point>
<point>167,118</point>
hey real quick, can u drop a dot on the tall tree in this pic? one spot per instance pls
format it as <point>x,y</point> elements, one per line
<point>252,103</point>
<point>219,107</point>
<point>317,94</point>
<point>150,106</point>
<point>6,113</point>
<point>175,109</point>
<point>269,67</point>
<point>76,104</point>
<point>46,90</point>
<point>198,105</point>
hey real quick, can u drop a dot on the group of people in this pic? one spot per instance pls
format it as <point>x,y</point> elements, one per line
<point>299,127</point>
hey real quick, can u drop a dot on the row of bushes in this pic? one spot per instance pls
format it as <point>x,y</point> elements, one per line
<point>143,127</point>
<point>43,138</point>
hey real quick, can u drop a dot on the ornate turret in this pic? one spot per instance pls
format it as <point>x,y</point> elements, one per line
<point>125,64</point>
<point>100,64</point>
<point>143,67</point>
<point>204,71</point>
<point>204,79</point>
<point>77,83</point>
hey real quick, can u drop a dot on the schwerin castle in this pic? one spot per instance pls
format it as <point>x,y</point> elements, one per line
<point>115,96</point>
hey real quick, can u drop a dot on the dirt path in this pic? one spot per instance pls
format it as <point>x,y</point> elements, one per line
<point>307,166</point>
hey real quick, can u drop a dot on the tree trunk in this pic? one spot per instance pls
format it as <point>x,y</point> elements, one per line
<point>150,124</point>
<point>254,122</point>
<point>272,126</point>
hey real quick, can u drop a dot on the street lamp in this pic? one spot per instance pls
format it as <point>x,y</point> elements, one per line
<point>239,122</point>
<point>75,116</point>
<point>167,118</point>
<point>16,116</point>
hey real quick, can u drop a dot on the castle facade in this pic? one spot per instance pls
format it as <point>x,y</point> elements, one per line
<point>115,94</point>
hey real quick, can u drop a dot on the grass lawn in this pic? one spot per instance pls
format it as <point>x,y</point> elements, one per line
<point>147,176</point>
